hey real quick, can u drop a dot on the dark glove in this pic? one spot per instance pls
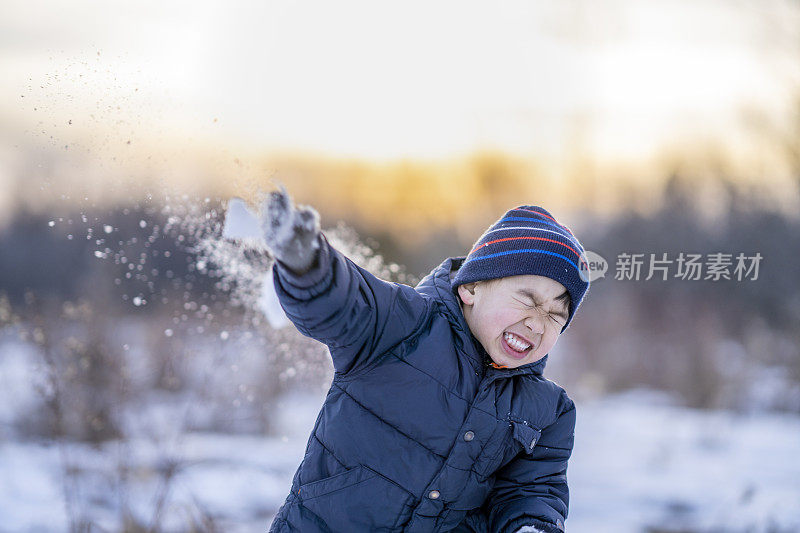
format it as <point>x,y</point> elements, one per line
<point>291,234</point>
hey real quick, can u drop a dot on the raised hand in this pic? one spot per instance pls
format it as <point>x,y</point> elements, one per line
<point>290,232</point>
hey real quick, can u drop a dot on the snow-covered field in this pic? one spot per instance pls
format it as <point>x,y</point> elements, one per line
<point>642,463</point>
<point>639,465</point>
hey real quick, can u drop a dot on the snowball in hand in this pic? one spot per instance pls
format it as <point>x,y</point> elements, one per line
<point>243,224</point>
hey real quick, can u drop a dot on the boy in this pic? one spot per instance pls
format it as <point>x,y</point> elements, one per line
<point>438,417</point>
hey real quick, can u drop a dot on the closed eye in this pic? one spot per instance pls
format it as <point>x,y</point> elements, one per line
<point>554,317</point>
<point>526,304</point>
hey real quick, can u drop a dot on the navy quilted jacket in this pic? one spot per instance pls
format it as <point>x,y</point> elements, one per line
<point>417,432</point>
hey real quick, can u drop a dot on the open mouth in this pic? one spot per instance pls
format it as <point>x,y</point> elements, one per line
<point>516,346</point>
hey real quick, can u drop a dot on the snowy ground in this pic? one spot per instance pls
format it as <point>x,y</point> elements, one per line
<point>640,464</point>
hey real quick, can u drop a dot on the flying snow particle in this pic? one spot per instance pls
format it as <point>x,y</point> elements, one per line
<point>108,228</point>
<point>241,222</point>
<point>168,332</point>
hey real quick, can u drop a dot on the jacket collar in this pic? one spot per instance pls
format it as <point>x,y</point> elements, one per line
<point>437,285</point>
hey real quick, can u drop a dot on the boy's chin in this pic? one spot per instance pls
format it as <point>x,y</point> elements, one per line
<point>509,362</point>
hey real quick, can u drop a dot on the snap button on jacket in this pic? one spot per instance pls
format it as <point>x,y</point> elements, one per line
<point>417,433</point>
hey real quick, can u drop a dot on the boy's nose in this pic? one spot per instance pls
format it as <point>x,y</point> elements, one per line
<point>534,323</point>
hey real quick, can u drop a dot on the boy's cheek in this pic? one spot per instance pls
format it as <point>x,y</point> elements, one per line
<point>552,341</point>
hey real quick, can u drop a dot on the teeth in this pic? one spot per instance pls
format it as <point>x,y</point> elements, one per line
<point>515,342</point>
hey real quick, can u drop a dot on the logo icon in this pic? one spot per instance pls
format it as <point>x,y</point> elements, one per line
<point>592,266</point>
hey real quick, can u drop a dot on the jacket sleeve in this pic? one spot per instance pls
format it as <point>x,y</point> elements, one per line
<point>532,489</point>
<point>358,316</point>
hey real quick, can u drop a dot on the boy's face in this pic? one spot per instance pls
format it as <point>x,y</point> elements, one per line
<point>516,319</point>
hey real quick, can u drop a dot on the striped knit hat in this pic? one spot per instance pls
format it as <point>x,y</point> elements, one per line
<point>528,240</point>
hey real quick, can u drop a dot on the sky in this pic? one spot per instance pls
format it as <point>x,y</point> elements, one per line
<point>616,79</point>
